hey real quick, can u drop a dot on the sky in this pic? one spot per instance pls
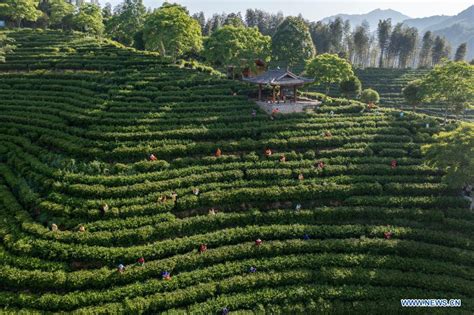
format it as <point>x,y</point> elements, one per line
<point>315,10</point>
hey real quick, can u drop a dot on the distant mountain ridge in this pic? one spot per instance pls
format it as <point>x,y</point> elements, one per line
<point>465,18</point>
<point>423,23</point>
<point>372,17</point>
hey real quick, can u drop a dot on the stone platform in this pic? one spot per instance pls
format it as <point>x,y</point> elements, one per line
<point>287,107</point>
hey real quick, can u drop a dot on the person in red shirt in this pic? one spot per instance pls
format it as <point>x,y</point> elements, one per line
<point>394,164</point>
<point>141,261</point>
<point>258,242</point>
<point>275,111</point>
<point>152,157</point>
<point>387,235</point>
<point>320,165</point>
<point>202,248</point>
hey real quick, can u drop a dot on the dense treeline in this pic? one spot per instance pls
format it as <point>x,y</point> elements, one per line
<point>394,46</point>
<point>172,31</point>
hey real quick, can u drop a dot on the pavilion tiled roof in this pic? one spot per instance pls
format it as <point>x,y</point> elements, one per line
<point>279,77</point>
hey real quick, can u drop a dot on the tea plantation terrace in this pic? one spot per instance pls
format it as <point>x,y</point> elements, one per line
<point>389,83</point>
<point>132,185</point>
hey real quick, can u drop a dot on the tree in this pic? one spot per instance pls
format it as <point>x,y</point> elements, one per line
<point>45,19</point>
<point>138,42</point>
<point>425,52</point>
<point>336,29</point>
<point>383,34</point>
<point>403,42</point>
<point>321,36</point>
<point>440,50</point>
<point>453,152</point>
<point>215,23</point>
<point>237,46</point>
<point>274,21</point>
<point>251,18</point>
<point>107,12</point>
<point>129,18</point>
<point>291,43</point>
<point>234,20</point>
<point>20,10</point>
<point>2,47</point>
<point>408,45</point>
<point>5,46</point>
<point>89,19</point>
<point>264,21</point>
<point>361,38</point>
<point>413,93</point>
<point>171,31</point>
<point>451,83</point>
<point>369,96</point>
<point>59,10</point>
<point>201,20</point>
<point>461,52</point>
<point>328,69</point>
<point>348,42</point>
<point>351,87</point>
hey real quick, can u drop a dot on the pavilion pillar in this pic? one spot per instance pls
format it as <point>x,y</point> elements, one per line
<point>259,92</point>
<point>294,93</point>
<point>273,94</point>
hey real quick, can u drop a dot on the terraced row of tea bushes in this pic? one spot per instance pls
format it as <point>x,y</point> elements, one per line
<point>80,194</point>
<point>389,84</point>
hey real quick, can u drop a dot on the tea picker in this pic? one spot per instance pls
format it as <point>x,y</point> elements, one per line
<point>120,268</point>
<point>202,248</point>
<point>166,275</point>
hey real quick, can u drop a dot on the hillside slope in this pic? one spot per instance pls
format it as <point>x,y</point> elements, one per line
<point>75,139</point>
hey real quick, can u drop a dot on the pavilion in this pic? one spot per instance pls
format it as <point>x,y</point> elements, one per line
<point>278,77</point>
